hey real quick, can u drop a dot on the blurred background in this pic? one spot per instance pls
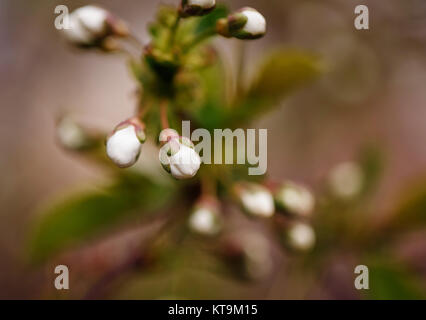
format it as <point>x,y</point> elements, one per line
<point>373,93</point>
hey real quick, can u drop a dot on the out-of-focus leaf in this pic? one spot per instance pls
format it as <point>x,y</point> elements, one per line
<point>372,163</point>
<point>390,280</point>
<point>82,217</point>
<point>281,73</point>
<point>411,212</point>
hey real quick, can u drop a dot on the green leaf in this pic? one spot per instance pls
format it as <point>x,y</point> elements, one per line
<point>84,216</point>
<point>372,163</point>
<point>389,280</point>
<point>410,213</point>
<point>282,73</point>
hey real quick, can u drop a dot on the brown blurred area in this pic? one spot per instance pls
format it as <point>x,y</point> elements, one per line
<point>373,92</point>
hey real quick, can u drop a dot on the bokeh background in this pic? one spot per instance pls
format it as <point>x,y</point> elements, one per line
<point>372,93</point>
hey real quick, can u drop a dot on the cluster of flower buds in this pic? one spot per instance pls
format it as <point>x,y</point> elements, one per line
<point>205,219</point>
<point>178,156</point>
<point>91,26</point>
<point>256,200</point>
<point>190,8</point>
<point>124,144</point>
<point>249,254</point>
<point>295,199</point>
<point>246,23</point>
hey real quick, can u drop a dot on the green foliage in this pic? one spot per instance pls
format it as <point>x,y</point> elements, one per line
<point>81,217</point>
<point>410,213</point>
<point>389,280</point>
<point>281,73</point>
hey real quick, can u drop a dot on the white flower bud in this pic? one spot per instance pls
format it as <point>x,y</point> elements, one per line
<point>301,237</point>
<point>197,7</point>
<point>256,200</point>
<point>90,24</point>
<point>295,199</point>
<point>179,158</point>
<point>346,180</point>
<point>205,220</point>
<point>124,145</point>
<point>246,23</point>
<point>87,24</point>
<point>70,134</point>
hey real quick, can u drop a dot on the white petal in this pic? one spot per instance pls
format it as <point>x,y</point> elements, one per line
<point>93,18</point>
<point>185,163</point>
<point>124,147</point>
<point>346,179</point>
<point>206,4</point>
<point>302,236</point>
<point>204,221</point>
<point>259,202</point>
<point>70,134</point>
<point>256,23</point>
<point>76,32</point>
<point>297,199</point>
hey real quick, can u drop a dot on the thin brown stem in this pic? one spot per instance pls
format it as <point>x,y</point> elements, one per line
<point>163,114</point>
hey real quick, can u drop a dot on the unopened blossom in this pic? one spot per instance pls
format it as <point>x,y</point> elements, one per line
<point>91,24</point>
<point>301,236</point>
<point>346,180</point>
<point>124,144</point>
<point>197,7</point>
<point>295,199</point>
<point>246,23</point>
<point>205,220</point>
<point>70,134</point>
<point>179,158</point>
<point>256,200</point>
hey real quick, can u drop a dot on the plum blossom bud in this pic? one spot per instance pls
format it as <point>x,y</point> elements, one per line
<point>124,144</point>
<point>196,7</point>
<point>90,25</point>
<point>295,199</point>
<point>256,200</point>
<point>301,236</point>
<point>70,135</point>
<point>178,156</point>
<point>205,219</point>
<point>346,180</point>
<point>247,23</point>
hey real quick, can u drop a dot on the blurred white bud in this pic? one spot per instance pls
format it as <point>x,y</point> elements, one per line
<point>179,158</point>
<point>346,180</point>
<point>90,24</point>
<point>246,23</point>
<point>70,134</point>
<point>256,200</point>
<point>205,220</point>
<point>301,237</point>
<point>197,7</point>
<point>124,145</point>
<point>295,199</point>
